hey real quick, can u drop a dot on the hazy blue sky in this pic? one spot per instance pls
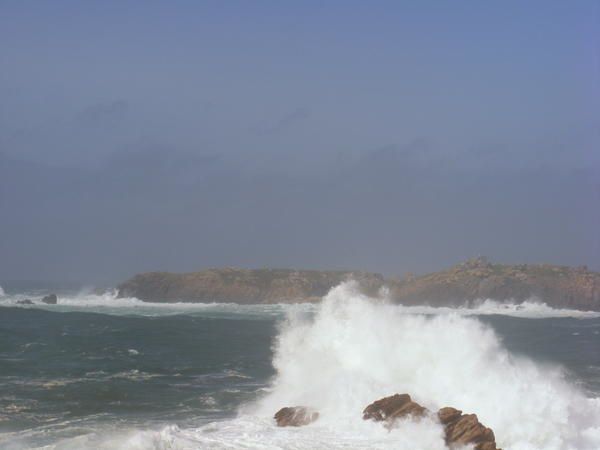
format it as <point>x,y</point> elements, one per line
<point>387,136</point>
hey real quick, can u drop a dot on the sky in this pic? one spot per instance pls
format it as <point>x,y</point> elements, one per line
<point>385,136</point>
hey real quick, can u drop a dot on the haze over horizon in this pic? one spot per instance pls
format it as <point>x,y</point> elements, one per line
<point>382,137</point>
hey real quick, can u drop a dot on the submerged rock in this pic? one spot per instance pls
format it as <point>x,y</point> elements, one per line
<point>51,299</point>
<point>24,302</point>
<point>394,407</point>
<point>295,416</point>
<point>463,429</point>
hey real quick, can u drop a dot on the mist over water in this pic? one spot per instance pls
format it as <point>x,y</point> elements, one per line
<point>187,376</point>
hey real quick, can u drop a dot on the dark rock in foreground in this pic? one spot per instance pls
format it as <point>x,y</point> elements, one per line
<point>51,299</point>
<point>463,429</point>
<point>460,429</point>
<point>390,408</point>
<point>243,285</point>
<point>295,416</point>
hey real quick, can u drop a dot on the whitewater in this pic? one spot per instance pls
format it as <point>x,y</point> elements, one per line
<point>337,357</point>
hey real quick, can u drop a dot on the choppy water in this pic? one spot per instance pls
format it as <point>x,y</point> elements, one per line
<point>99,372</point>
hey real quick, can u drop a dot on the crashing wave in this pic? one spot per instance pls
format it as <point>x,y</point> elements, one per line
<point>352,349</point>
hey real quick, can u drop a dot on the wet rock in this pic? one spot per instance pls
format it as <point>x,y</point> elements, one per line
<point>448,414</point>
<point>295,416</point>
<point>460,429</point>
<point>390,408</point>
<point>24,302</point>
<point>51,299</point>
<point>463,429</point>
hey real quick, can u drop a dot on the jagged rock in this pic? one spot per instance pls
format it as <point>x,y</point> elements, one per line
<point>24,302</point>
<point>295,416</point>
<point>390,408</point>
<point>448,414</point>
<point>462,429</point>
<point>51,299</point>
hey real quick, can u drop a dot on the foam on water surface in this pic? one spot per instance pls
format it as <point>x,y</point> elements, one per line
<point>353,350</point>
<point>110,303</point>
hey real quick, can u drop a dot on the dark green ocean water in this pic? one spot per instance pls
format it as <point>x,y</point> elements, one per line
<point>88,364</point>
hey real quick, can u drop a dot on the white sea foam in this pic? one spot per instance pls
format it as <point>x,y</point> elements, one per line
<point>110,303</point>
<point>2,293</point>
<point>354,350</point>
<point>528,310</point>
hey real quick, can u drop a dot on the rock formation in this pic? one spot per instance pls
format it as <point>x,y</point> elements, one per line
<point>295,416</point>
<point>242,285</point>
<point>463,429</point>
<point>51,299</point>
<point>460,429</point>
<point>390,408</point>
<point>476,279</point>
<point>24,302</point>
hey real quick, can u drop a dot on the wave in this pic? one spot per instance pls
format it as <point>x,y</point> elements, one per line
<point>109,303</point>
<point>2,293</point>
<point>528,310</point>
<point>354,350</point>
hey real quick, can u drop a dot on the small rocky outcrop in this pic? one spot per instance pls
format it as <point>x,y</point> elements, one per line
<point>460,429</point>
<point>24,302</point>
<point>295,416</point>
<point>463,429</point>
<point>51,299</point>
<point>394,407</point>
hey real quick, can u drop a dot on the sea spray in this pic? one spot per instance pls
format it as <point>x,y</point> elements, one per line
<point>337,356</point>
<point>356,350</point>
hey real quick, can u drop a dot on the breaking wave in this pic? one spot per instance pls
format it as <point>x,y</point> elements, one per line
<point>109,303</point>
<point>354,350</point>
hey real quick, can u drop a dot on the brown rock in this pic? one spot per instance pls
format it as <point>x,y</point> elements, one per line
<point>463,429</point>
<point>390,408</point>
<point>448,414</point>
<point>295,416</point>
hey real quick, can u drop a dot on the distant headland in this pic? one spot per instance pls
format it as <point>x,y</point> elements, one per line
<point>475,279</point>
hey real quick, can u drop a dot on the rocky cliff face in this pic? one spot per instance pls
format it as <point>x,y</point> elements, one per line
<point>476,279</point>
<point>558,286</point>
<point>243,285</point>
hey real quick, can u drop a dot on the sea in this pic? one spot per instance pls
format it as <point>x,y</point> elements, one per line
<point>99,372</point>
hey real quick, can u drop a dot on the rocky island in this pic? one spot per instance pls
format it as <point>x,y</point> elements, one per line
<point>477,279</point>
<point>465,283</point>
<point>243,285</point>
